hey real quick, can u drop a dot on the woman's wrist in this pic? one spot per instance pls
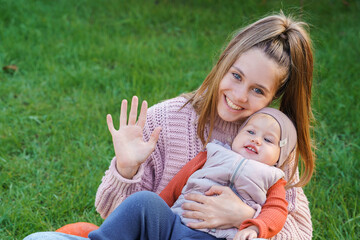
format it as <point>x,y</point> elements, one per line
<point>246,211</point>
<point>127,172</point>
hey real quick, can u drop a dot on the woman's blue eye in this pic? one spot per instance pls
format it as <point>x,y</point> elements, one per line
<point>237,76</point>
<point>258,91</point>
<point>250,131</point>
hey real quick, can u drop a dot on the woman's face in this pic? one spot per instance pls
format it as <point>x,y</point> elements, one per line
<point>249,85</point>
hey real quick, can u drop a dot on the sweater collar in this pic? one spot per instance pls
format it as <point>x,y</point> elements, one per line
<point>224,131</point>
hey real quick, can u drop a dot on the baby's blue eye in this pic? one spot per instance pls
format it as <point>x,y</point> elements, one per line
<point>268,140</point>
<point>251,132</point>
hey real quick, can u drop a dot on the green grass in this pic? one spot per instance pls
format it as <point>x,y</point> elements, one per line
<point>78,59</point>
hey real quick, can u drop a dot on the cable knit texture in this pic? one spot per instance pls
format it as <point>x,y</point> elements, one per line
<point>178,143</point>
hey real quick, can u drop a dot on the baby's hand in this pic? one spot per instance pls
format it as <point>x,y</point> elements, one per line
<point>247,233</point>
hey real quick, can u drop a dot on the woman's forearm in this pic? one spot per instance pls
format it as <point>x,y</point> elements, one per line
<point>114,189</point>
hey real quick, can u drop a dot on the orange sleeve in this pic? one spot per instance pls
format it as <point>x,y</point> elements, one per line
<point>273,213</point>
<point>173,190</point>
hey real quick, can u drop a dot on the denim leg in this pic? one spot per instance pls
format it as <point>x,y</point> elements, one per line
<point>140,216</point>
<point>53,236</point>
<point>144,215</point>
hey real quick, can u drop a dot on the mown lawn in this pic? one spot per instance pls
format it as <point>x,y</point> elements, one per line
<point>76,60</point>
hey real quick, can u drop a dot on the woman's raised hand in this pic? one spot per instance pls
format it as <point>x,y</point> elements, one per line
<point>130,148</point>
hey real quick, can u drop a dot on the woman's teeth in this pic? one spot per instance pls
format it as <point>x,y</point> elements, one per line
<point>232,105</point>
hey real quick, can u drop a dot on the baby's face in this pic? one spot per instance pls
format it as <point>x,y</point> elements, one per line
<point>259,140</point>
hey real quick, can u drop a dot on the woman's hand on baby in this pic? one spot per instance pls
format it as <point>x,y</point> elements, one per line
<point>221,208</point>
<point>130,148</point>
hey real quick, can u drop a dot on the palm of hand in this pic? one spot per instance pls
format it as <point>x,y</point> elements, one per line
<point>129,144</point>
<point>130,148</point>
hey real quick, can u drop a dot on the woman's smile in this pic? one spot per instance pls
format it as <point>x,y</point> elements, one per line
<point>232,105</point>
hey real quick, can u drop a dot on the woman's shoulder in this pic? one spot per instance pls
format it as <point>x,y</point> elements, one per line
<point>174,116</point>
<point>180,101</point>
<point>175,106</point>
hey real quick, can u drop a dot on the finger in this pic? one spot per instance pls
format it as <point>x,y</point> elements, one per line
<point>191,207</point>
<point>199,198</point>
<point>237,236</point>
<point>252,235</point>
<point>215,190</point>
<point>123,113</point>
<point>242,236</point>
<point>154,137</point>
<point>133,110</point>
<point>142,116</point>
<point>110,124</point>
<point>193,215</point>
<point>200,225</point>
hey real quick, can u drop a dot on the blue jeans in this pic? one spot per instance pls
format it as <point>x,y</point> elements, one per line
<point>63,236</point>
<point>143,215</point>
<point>52,236</point>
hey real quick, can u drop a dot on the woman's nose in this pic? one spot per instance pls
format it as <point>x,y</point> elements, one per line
<point>241,94</point>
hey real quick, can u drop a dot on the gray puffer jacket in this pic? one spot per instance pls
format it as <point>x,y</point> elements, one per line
<point>249,179</point>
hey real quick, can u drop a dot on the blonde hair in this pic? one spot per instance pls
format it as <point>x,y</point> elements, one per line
<point>287,43</point>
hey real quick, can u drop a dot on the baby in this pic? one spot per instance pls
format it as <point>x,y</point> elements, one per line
<point>250,167</point>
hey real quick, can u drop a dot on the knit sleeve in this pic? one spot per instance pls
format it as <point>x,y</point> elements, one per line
<point>273,213</point>
<point>173,190</point>
<point>114,188</point>
<point>298,224</point>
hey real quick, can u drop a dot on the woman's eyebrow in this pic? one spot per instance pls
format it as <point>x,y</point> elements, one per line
<point>263,87</point>
<point>239,70</point>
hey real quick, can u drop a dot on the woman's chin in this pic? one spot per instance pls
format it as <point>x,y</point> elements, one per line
<point>228,116</point>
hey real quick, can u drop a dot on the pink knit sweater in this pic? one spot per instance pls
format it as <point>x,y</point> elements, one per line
<point>178,144</point>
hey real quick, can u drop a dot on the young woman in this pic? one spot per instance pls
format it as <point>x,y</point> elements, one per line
<point>269,59</point>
